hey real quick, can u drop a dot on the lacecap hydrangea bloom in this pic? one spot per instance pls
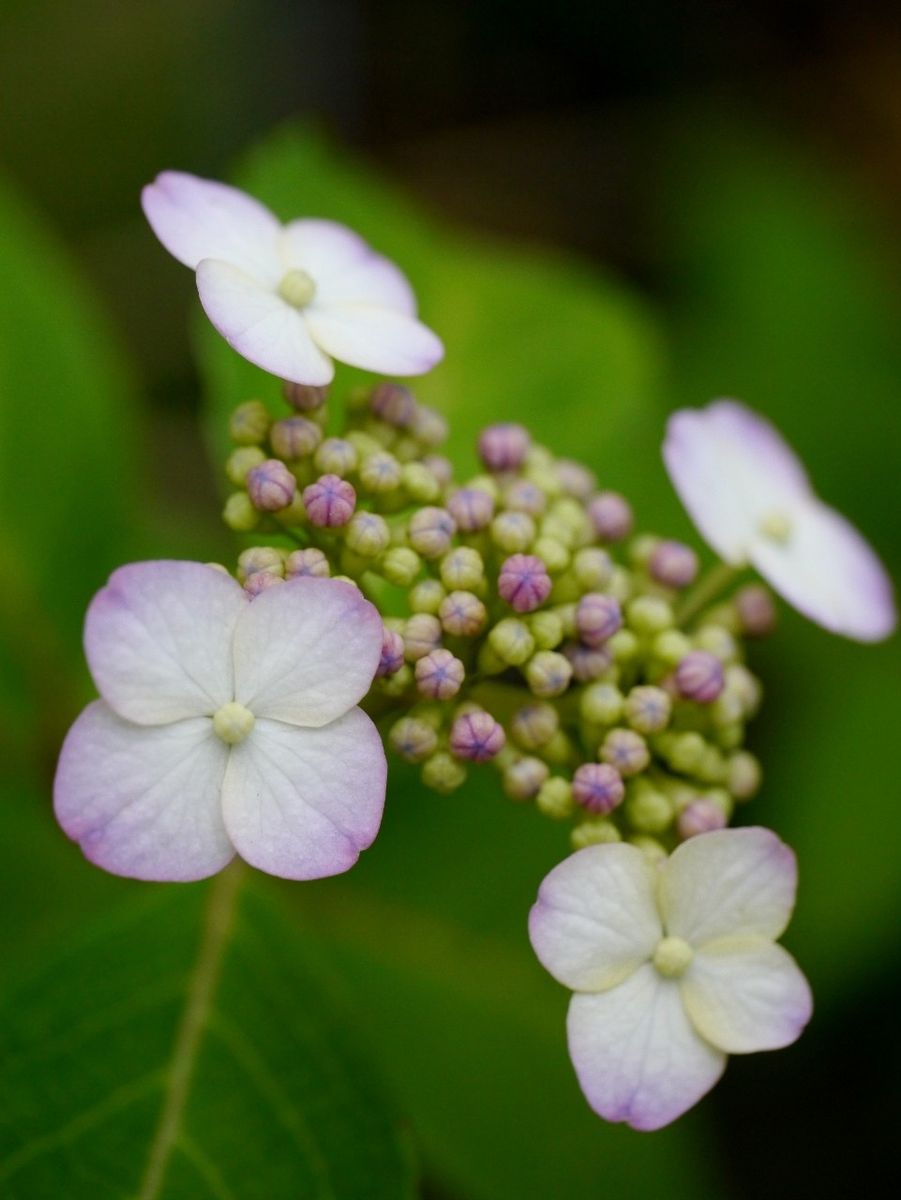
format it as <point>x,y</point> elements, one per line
<point>289,298</point>
<point>750,496</point>
<point>674,966</point>
<point>226,726</point>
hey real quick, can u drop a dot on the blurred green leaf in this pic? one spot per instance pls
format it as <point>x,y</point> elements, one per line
<point>186,1048</point>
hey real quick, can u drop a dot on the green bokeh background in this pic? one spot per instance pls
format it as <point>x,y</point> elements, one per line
<point>593,258</point>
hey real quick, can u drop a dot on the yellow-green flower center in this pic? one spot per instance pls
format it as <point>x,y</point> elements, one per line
<point>297,288</point>
<point>776,526</point>
<point>233,722</point>
<point>672,956</point>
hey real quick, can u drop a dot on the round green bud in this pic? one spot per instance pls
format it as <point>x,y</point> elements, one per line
<point>489,662</point>
<point>513,532</point>
<point>260,558</point>
<point>426,596</point>
<point>624,646</point>
<point>593,568</point>
<point>558,530</point>
<point>555,798</point>
<point>443,773</point>
<point>363,443</point>
<point>567,616</point>
<point>239,513</point>
<point>400,565</point>
<point>523,779</point>
<point>559,750</point>
<point>625,750</point>
<point>718,641</point>
<point>727,709</point>
<point>649,615</point>
<point>295,438</point>
<point>547,629</point>
<point>367,534</point>
<point>242,460</point>
<point>462,614</point>
<point>249,423</point>
<point>406,448</point>
<point>642,548</point>
<point>730,737</point>
<point>683,751</point>
<point>648,809</point>
<point>670,647</point>
<point>413,739</point>
<point>548,674</point>
<point>533,725</point>
<point>601,704</point>
<point>428,426</point>
<point>544,477</point>
<point>398,683</point>
<point>422,635</point>
<point>462,569</point>
<point>294,513</point>
<point>596,831</point>
<point>506,757</point>
<point>746,686</point>
<point>621,586</point>
<point>712,767</point>
<point>419,483</point>
<point>743,775</point>
<point>336,456</point>
<point>552,553</point>
<point>380,473</point>
<point>721,799</point>
<point>648,709</point>
<point>511,641</point>
<point>653,851</point>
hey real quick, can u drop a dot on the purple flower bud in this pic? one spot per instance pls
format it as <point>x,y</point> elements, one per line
<point>575,479</point>
<point>701,816</point>
<point>304,398</point>
<point>588,662</point>
<point>756,610</point>
<point>534,725</point>
<point>598,617</point>
<point>476,736</point>
<point>439,675</point>
<point>471,508</point>
<point>431,530</point>
<point>428,426</point>
<point>307,562</point>
<point>673,564</point>
<point>422,634</point>
<point>625,750</point>
<point>522,780</point>
<point>295,438</point>
<point>441,468</point>
<point>503,447</point>
<point>271,485</point>
<point>699,677</point>
<point>330,501</point>
<point>462,614</point>
<point>259,581</point>
<point>394,404</point>
<point>526,497</point>
<point>598,787</point>
<point>524,582</point>
<point>392,658</point>
<point>611,516</point>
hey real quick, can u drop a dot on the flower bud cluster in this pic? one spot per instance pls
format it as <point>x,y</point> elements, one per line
<point>526,625</point>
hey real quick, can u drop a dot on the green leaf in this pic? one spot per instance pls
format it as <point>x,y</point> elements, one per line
<point>187,1048</point>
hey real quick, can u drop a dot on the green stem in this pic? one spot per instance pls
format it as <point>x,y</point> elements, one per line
<point>716,580</point>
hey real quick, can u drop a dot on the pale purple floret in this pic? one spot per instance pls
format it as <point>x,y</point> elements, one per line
<point>700,677</point>
<point>701,816</point>
<point>756,610</point>
<point>526,497</point>
<point>439,674</point>
<point>598,617</point>
<point>503,447</point>
<point>611,516</point>
<point>575,478</point>
<point>431,530</point>
<point>260,581</point>
<point>598,787</point>
<point>476,736</point>
<point>673,564</point>
<point>462,614</point>
<point>394,404</point>
<point>587,662</point>
<point>625,750</point>
<point>271,486</point>
<point>471,508</point>
<point>295,437</point>
<point>392,657</point>
<point>330,501</point>
<point>524,582</point>
<point>309,561</point>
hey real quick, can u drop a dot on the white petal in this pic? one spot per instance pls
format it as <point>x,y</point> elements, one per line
<point>306,651</point>
<point>303,803</point>
<point>729,883</point>
<point>636,1054</point>
<point>732,470</point>
<point>158,640</point>
<point>261,326</point>
<point>830,573</point>
<point>344,268</point>
<point>596,919</point>
<point>747,995</point>
<point>376,339</point>
<point>199,218</point>
<point>144,801</point>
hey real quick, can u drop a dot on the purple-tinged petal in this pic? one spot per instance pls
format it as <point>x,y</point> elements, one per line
<point>303,803</point>
<point>262,327</point>
<point>728,883</point>
<point>636,1054</point>
<point>376,339</point>
<point>595,920</point>
<point>746,995</point>
<point>158,640</point>
<point>373,280</point>
<point>306,652</point>
<point>144,801</point>
<point>199,218</point>
<point>827,570</point>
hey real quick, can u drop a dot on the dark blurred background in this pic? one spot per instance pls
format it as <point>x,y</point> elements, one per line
<point>620,132</point>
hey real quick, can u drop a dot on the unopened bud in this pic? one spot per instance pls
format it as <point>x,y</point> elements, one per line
<point>699,677</point>
<point>260,582</point>
<point>648,809</point>
<point>260,558</point>
<point>462,614</point>
<point>523,582</point>
<point>431,530</point>
<point>443,773</point>
<point>367,534</point>
<point>399,683</point>
<point>534,725</point>
<point>400,565</point>
<point>295,438</point>
<point>439,675</point>
<point>670,647</point>
<point>597,831</point>
<point>683,751</point>
<point>522,495</point>
<point>523,780</point>
<point>420,484</point>
<point>598,617</point>
<point>624,646</point>
<point>426,596</point>
<point>393,404</point>
<point>548,674</point>
<point>611,516</point>
<point>588,662</point>
<point>441,467</point>
<point>304,398</point>
<point>743,775</point>
<point>555,798</point>
<point>381,473</point>
<point>576,480</point>
<point>462,569</point>
<point>699,817</point>
<point>648,709</point>
<point>428,426</point>
<point>307,562</point>
<point>547,630</point>
<point>413,739</point>
<point>241,461</point>
<point>673,564</point>
<point>336,456</point>
<point>511,641</point>
<point>512,532</point>
<point>653,851</point>
<point>271,486</point>
<point>717,640</point>
<point>626,750</point>
<point>471,508</point>
<point>392,656</point>
<point>593,568</point>
<point>249,423</point>
<point>602,704</point>
<point>503,447</point>
<point>756,610</point>
<point>239,513</point>
<point>330,501</point>
<point>650,615</point>
<point>476,736</point>
<point>553,554</point>
<point>422,634</point>
<point>598,787</point>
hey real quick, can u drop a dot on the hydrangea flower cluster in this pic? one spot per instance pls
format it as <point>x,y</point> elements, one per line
<point>514,619</point>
